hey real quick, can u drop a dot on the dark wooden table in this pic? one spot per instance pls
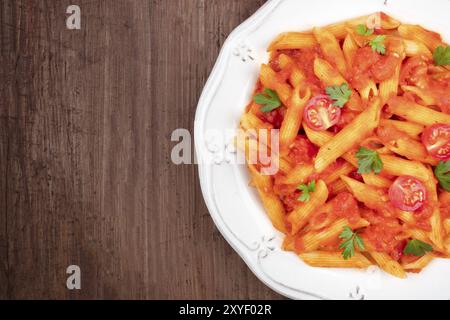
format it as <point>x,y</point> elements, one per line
<point>86,176</point>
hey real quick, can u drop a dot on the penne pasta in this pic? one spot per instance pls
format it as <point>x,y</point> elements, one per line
<point>447,226</point>
<point>400,167</point>
<point>272,204</point>
<point>327,73</point>
<point>338,186</point>
<point>416,113</point>
<point>250,121</point>
<point>412,129</point>
<point>338,30</point>
<point>319,138</point>
<point>447,246</point>
<point>349,137</point>
<point>324,259</point>
<point>269,80</point>
<point>293,119</point>
<point>299,174</point>
<point>297,77</point>
<point>252,153</point>
<point>350,48</point>
<point>293,40</point>
<point>366,194</point>
<point>407,218</point>
<point>411,149</point>
<point>311,241</point>
<point>420,234</point>
<point>389,87</point>
<point>388,264</point>
<point>427,98</point>
<point>431,39</point>
<point>377,181</point>
<point>343,170</point>
<point>369,90</point>
<point>437,231</point>
<point>289,243</point>
<point>416,48</point>
<point>420,263</point>
<point>360,40</point>
<point>331,49</point>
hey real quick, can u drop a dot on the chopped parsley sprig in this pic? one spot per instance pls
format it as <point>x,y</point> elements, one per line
<point>442,173</point>
<point>441,56</point>
<point>378,45</point>
<point>362,30</point>
<point>417,248</point>
<point>351,240</point>
<point>306,191</point>
<point>368,161</point>
<point>270,100</point>
<point>339,94</point>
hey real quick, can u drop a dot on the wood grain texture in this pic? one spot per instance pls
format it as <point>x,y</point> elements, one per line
<point>86,177</point>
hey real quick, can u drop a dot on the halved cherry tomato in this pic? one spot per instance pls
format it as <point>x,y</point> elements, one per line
<point>437,141</point>
<point>320,114</point>
<point>407,194</point>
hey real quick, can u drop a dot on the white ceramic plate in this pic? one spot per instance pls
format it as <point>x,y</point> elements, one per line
<point>235,207</point>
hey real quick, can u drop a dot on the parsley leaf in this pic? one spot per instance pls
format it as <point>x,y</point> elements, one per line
<point>269,100</point>
<point>442,56</point>
<point>369,161</point>
<point>442,173</point>
<point>347,233</point>
<point>377,44</point>
<point>417,248</point>
<point>352,239</point>
<point>363,30</point>
<point>306,190</point>
<point>340,94</point>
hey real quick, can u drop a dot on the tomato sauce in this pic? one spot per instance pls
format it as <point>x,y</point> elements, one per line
<point>345,206</point>
<point>418,71</point>
<point>382,234</point>
<point>369,65</point>
<point>423,216</point>
<point>390,133</point>
<point>290,200</point>
<point>275,117</point>
<point>304,59</point>
<point>318,219</point>
<point>329,170</point>
<point>302,151</point>
<point>347,116</point>
<point>355,175</point>
<point>288,194</point>
<point>444,200</point>
<point>385,67</point>
<point>440,90</point>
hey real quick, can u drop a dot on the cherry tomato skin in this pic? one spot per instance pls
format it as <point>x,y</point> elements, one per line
<point>436,140</point>
<point>408,194</point>
<point>320,114</point>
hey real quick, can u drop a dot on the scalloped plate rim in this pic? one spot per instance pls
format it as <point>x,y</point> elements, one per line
<point>209,90</point>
